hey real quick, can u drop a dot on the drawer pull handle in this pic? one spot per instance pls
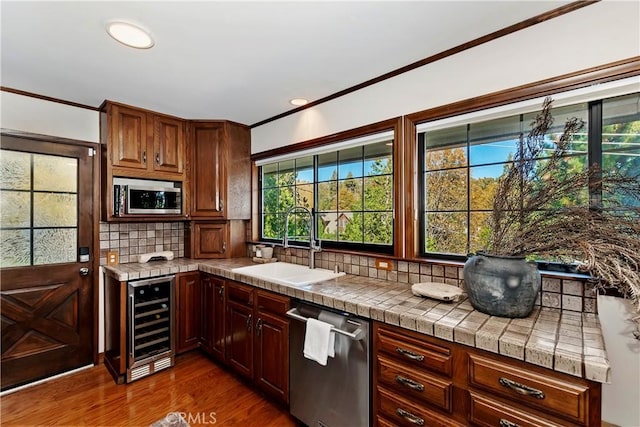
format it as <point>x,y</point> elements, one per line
<point>409,383</point>
<point>507,423</point>
<point>413,419</point>
<point>521,388</point>
<point>410,354</point>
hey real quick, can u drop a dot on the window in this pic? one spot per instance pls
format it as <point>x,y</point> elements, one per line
<point>349,189</point>
<point>462,162</point>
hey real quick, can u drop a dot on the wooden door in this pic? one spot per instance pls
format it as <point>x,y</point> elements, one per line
<point>272,355</point>
<point>208,170</point>
<point>46,285</point>
<point>128,137</point>
<point>206,330</point>
<point>189,309</point>
<point>239,332</point>
<point>218,336</point>
<point>168,144</point>
<point>210,240</point>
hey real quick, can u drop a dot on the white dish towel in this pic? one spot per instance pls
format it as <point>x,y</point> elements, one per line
<point>319,341</point>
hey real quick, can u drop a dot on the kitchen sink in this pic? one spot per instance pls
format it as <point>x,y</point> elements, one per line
<point>285,273</point>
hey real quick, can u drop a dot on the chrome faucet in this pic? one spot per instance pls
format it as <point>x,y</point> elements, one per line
<point>313,247</point>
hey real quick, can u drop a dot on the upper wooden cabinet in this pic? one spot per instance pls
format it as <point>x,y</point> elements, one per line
<point>220,175</point>
<point>137,143</point>
<point>144,144</point>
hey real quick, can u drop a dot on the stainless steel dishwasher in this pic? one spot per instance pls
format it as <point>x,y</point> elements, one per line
<point>338,394</point>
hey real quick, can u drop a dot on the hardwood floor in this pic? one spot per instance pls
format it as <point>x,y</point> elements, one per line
<point>197,387</point>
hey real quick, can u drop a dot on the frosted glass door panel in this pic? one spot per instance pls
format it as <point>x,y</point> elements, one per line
<point>38,209</point>
<point>52,173</point>
<point>15,208</point>
<point>54,210</point>
<point>54,245</point>
<point>15,170</point>
<point>15,248</point>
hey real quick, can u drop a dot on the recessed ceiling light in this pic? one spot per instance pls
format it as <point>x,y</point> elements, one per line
<point>299,101</point>
<point>130,35</point>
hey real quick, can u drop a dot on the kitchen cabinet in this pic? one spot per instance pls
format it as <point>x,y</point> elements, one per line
<point>271,344</point>
<point>419,378</point>
<point>188,304</point>
<point>213,316</point>
<point>149,143</point>
<point>239,328</point>
<point>220,175</point>
<point>140,144</point>
<point>252,335</point>
<point>217,239</point>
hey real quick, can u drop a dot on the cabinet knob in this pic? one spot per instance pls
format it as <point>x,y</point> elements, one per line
<point>249,323</point>
<point>144,157</point>
<point>157,158</point>
<point>224,247</point>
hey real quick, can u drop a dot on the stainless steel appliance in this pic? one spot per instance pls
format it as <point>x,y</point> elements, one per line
<point>146,197</point>
<point>150,334</point>
<point>338,394</point>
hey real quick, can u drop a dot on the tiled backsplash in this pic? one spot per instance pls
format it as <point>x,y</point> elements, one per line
<point>138,238</point>
<point>566,293</point>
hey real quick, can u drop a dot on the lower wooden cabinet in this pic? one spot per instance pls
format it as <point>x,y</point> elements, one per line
<point>422,380</point>
<point>246,329</point>
<point>271,345</point>
<point>213,339</point>
<point>239,327</point>
<point>188,296</point>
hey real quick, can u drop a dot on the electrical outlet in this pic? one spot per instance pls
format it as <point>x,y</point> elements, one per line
<point>112,258</point>
<point>383,264</point>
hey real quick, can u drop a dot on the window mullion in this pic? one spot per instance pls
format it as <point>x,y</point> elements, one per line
<point>594,149</point>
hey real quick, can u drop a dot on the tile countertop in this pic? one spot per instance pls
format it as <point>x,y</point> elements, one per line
<point>561,340</point>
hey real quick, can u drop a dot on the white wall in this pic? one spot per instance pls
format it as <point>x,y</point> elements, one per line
<point>594,35</point>
<point>35,115</point>
<point>591,36</point>
<point>23,113</point>
<point>621,398</point>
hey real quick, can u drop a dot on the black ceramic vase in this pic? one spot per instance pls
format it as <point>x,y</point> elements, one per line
<point>501,285</point>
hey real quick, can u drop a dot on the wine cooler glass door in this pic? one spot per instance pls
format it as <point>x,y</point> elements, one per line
<point>151,316</point>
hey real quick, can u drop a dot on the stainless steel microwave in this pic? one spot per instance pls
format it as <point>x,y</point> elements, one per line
<point>139,197</point>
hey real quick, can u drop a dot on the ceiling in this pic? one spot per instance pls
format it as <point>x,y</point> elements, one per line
<point>235,60</point>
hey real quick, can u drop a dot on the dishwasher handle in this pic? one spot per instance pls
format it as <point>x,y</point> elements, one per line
<point>356,335</point>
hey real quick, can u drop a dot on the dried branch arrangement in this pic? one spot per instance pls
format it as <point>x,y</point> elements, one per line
<point>531,215</point>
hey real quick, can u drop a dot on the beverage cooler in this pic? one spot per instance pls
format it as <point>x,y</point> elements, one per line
<point>150,331</point>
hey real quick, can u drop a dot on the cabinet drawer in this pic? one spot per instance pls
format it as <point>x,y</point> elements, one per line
<point>486,412</point>
<point>404,412</point>
<point>415,352</point>
<point>414,383</point>
<point>530,388</point>
<point>272,303</point>
<point>242,294</point>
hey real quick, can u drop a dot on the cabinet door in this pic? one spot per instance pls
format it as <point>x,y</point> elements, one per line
<point>128,140</point>
<point>208,170</point>
<point>218,336</point>
<point>189,306</point>
<point>168,144</point>
<point>272,355</point>
<point>210,240</point>
<point>206,329</point>
<point>239,332</point>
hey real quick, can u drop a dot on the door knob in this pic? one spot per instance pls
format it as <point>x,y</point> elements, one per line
<point>84,271</point>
